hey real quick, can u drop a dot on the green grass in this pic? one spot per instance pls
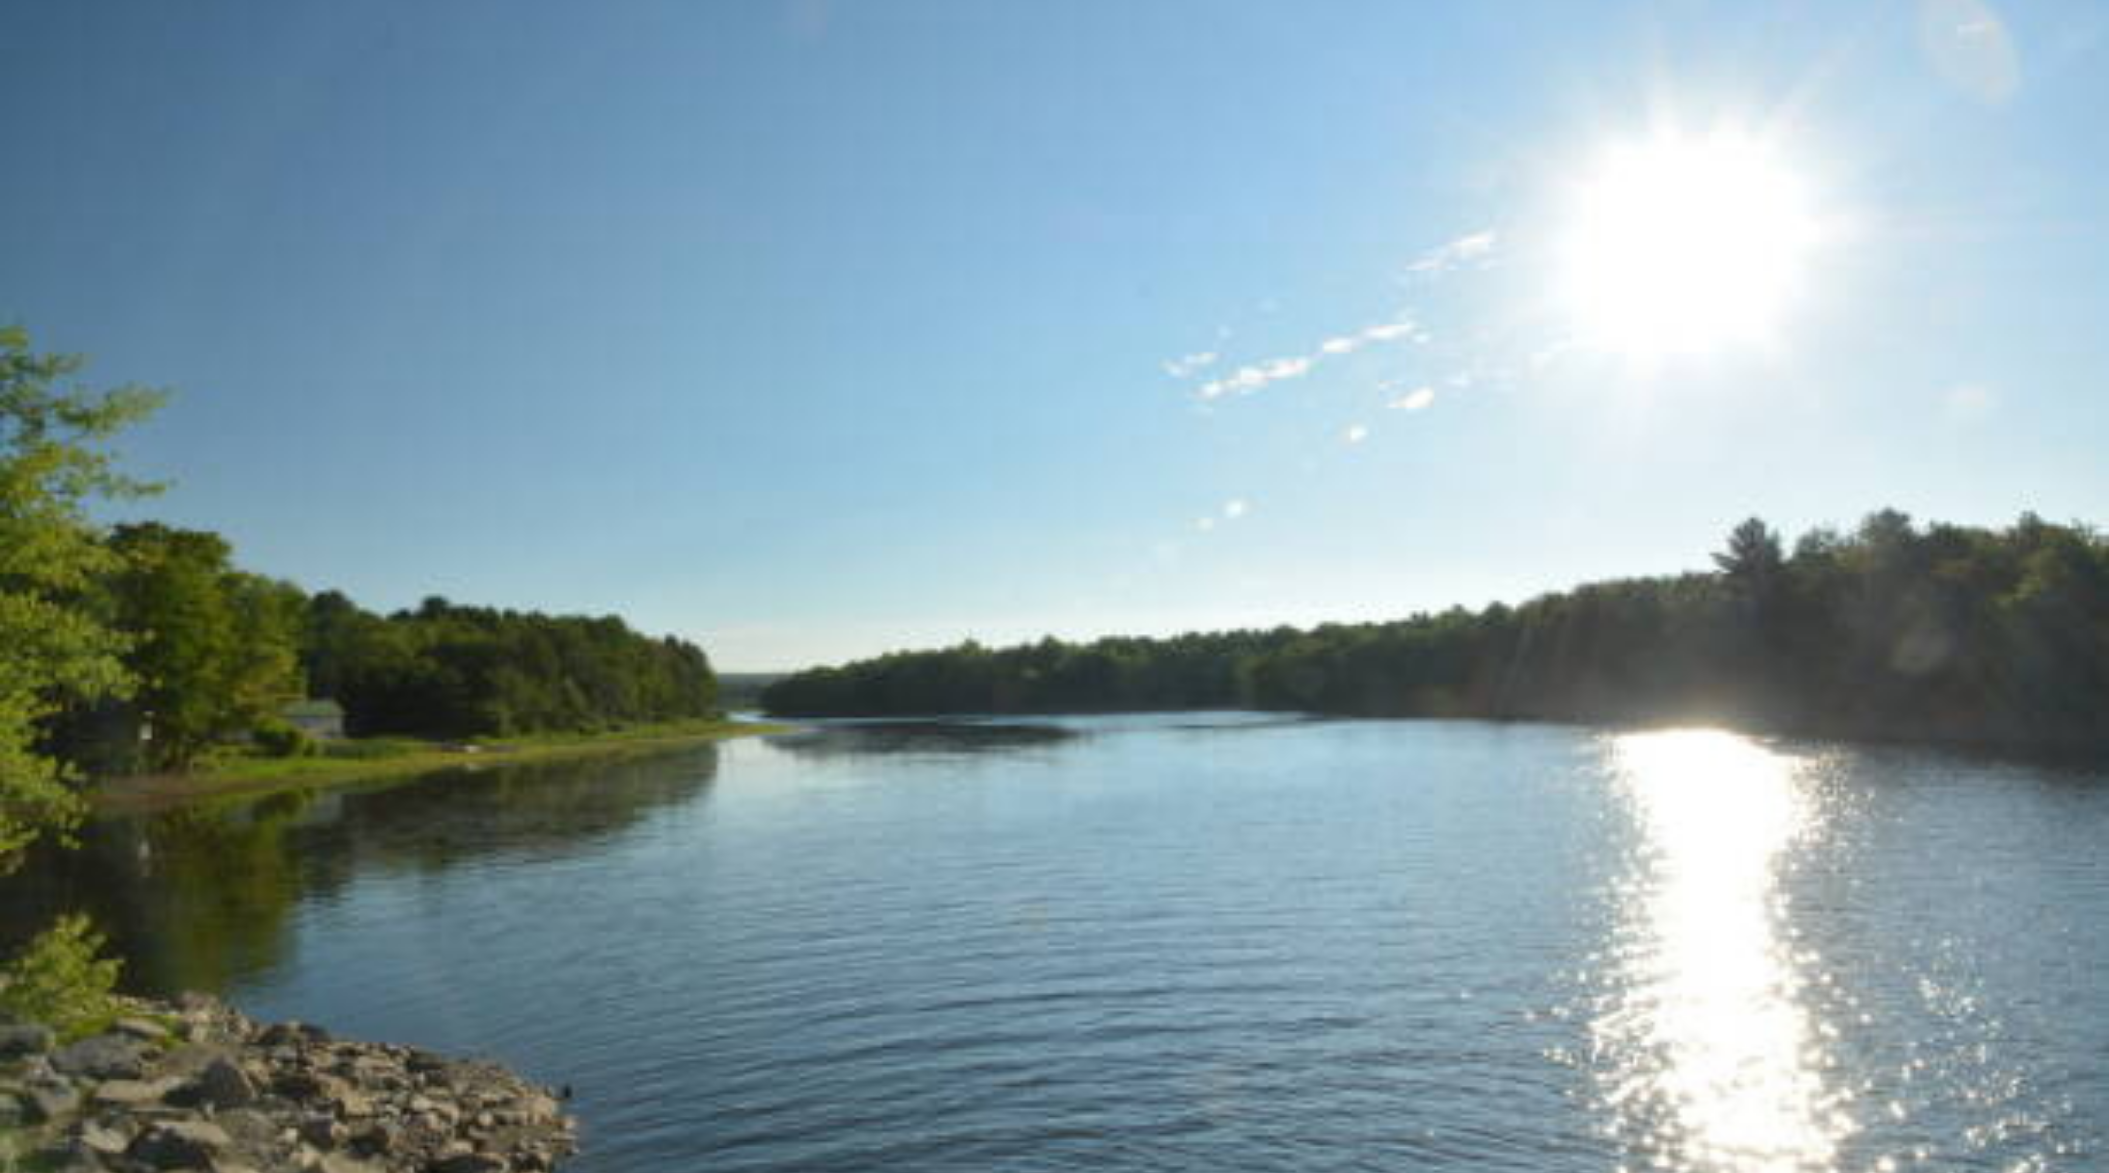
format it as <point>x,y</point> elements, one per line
<point>371,759</point>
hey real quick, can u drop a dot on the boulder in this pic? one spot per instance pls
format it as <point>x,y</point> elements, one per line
<point>467,1163</point>
<point>222,1084</point>
<point>132,1093</point>
<point>52,1101</point>
<point>24,1038</point>
<point>103,1139</point>
<point>179,1144</point>
<point>144,1029</point>
<point>105,1056</point>
<point>305,1086</point>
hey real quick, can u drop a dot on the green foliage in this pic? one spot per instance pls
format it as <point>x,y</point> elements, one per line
<point>62,980</point>
<point>282,740</point>
<point>1952,634</point>
<point>216,650</point>
<point>450,672</point>
<point>57,651</point>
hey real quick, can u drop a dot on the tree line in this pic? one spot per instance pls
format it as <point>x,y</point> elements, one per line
<point>143,646</point>
<point>215,654</point>
<point>1936,633</point>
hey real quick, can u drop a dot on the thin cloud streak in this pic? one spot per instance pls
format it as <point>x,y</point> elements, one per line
<point>1184,365</point>
<point>1478,246</point>
<point>1248,379</point>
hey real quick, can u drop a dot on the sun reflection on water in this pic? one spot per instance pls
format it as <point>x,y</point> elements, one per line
<point>1711,1056</point>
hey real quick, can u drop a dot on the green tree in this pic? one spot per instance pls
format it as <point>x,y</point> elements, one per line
<point>1753,561</point>
<point>216,651</point>
<point>54,651</point>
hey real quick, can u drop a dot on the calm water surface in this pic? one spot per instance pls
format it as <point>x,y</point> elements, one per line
<point>1193,943</point>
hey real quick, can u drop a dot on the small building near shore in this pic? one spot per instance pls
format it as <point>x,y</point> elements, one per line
<point>322,719</point>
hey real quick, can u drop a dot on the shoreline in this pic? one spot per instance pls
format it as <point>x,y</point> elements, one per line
<point>195,1084</point>
<point>254,777</point>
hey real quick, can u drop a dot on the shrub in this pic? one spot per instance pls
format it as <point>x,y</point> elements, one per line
<point>62,980</point>
<point>282,740</point>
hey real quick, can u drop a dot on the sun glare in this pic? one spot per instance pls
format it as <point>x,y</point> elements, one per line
<point>1685,245</point>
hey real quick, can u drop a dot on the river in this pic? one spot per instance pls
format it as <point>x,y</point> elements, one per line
<point>1193,942</point>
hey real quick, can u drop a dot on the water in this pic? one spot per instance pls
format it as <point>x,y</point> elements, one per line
<point>1193,943</point>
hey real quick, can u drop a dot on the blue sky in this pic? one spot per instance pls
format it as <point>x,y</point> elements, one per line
<point>814,329</point>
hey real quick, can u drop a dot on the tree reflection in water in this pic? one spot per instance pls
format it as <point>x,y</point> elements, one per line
<point>202,897</point>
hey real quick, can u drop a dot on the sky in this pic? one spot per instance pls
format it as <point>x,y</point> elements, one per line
<point>810,330</point>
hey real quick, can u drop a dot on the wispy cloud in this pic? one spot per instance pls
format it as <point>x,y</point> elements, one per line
<point>1355,434</point>
<point>1417,399</point>
<point>1187,364</point>
<point>1234,508</point>
<point>1248,379</point>
<point>1465,250</point>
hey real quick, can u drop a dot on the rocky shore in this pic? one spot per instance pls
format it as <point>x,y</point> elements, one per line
<point>194,1084</point>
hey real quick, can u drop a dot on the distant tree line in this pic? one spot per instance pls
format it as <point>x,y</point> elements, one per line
<point>450,671</point>
<point>1942,633</point>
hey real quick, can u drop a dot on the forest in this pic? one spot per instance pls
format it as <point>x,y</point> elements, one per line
<point>217,653</point>
<point>1892,631</point>
<point>142,646</point>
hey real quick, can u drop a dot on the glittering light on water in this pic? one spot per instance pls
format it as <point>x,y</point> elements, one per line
<point>1711,1057</point>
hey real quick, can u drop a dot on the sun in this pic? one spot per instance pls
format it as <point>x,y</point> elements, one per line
<point>1681,246</point>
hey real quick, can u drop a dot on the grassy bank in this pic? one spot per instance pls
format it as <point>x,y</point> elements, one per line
<point>372,759</point>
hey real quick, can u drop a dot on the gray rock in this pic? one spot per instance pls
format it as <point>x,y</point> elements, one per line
<point>322,1131</point>
<point>181,1144</point>
<point>144,1029</point>
<point>374,1139</point>
<point>52,1101</point>
<point>104,1140</point>
<point>222,1084</point>
<point>106,1056</point>
<point>251,1127</point>
<point>468,1163</point>
<point>24,1038</point>
<point>132,1093</point>
<point>309,1085</point>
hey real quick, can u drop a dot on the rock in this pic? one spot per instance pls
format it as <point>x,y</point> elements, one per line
<point>309,1085</point>
<point>221,1093</point>
<point>222,1084</point>
<point>144,1029</point>
<point>24,1038</point>
<point>250,1127</point>
<point>181,1144</point>
<point>468,1163</point>
<point>52,1101</point>
<point>131,1093</point>
<point>292,1034</point>
<point>374,1139</point>
<point>106,1056</point>
<point>104,1140</point>
<point>68,1157</point>
<point>322,1131</point>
